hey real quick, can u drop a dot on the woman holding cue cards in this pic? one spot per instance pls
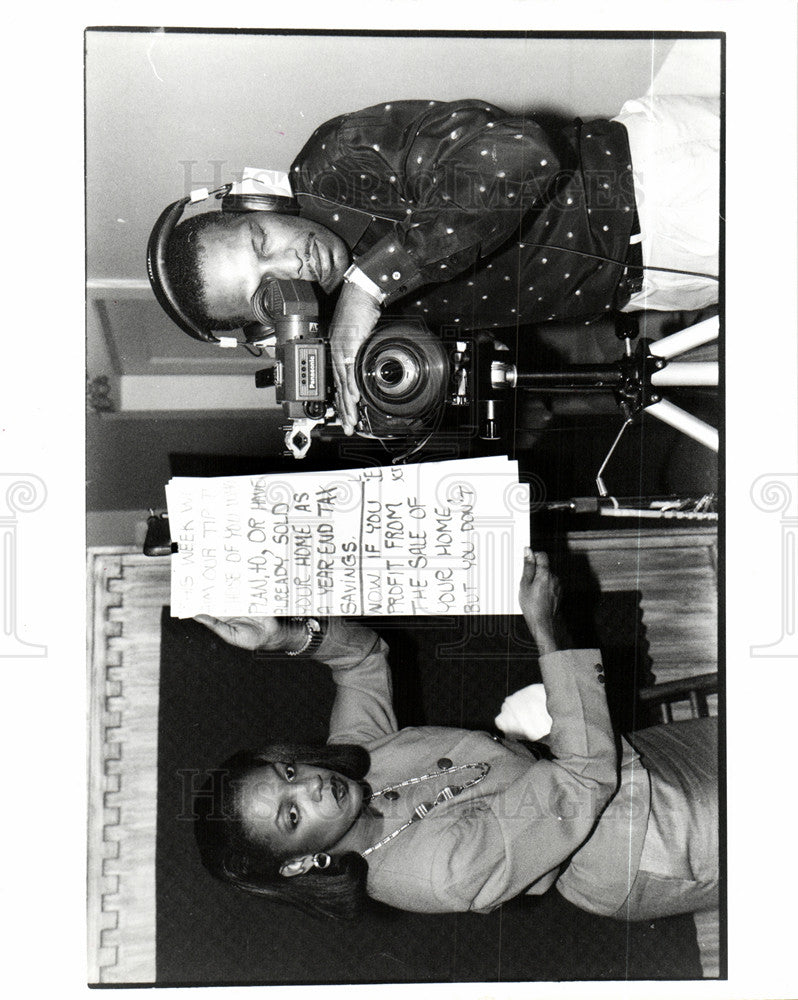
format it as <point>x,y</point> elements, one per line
<point>437,819</point>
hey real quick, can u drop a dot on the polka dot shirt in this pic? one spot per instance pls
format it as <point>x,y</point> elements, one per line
<point>466,215</point>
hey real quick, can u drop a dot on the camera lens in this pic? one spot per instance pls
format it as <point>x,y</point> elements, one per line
<point>395,371</point>
<point>402,371</point>
<point>391,371</point>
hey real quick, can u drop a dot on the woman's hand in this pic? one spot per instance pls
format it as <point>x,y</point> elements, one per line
<point>271,634</point>
<point>539,597</point>
<point>356,314</point>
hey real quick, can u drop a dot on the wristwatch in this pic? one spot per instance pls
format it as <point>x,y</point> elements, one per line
<point>354,276</point>
<point>315,635</point>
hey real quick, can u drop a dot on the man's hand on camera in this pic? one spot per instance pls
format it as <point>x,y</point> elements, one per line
<point>539,597</point>
<point>356,315</point>
<point>272,634</point>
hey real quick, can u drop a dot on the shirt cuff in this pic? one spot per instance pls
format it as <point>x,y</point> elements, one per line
<point>391,268</point>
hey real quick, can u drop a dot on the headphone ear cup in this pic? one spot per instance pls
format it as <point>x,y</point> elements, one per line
<point>158,274</point>
<point>260,203</point>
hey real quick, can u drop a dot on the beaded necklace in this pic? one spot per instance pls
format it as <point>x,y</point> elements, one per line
<point>424,808</point>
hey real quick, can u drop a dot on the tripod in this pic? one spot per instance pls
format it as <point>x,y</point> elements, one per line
<point>637,380</point>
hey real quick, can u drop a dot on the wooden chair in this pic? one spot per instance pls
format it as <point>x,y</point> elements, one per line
<point>693,690</point>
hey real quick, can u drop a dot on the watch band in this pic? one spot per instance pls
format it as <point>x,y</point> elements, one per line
<point>315,635</point>
<point>354,276</point>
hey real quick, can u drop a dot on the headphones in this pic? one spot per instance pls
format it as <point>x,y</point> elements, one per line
<point>254,333</point>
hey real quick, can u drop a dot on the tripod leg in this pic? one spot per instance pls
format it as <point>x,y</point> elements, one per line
<point>685,422</point>
<point>686,340</point>
<point>685,373</point>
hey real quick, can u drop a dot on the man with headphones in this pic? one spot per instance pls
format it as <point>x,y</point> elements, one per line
<point>463,215</point>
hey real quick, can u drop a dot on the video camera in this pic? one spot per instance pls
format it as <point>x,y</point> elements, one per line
<point>405,375</point>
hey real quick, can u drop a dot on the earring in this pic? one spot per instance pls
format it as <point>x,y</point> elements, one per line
<point>321,860</point>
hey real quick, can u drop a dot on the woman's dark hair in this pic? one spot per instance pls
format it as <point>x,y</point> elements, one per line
<point>230,855</point>
<point>185,266</point>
